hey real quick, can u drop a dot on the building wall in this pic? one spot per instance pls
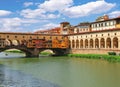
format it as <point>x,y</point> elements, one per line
<point>103,25</point>
<point>18,37</point>
<point>95,42</point>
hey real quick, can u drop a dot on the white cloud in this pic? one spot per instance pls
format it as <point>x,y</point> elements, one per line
<point>15,24</point>
<point>114,14</point>
<point>8,24</point>
<point>55,5</point>
<point>53,8</point>
<point>27,4</point>
<point>96,7</point>
<point>50,25</point>
<point>47,26</point>
<point>38,13</point>
<point>5,13</point>
<point>28,13</point>
<point>47,9</point>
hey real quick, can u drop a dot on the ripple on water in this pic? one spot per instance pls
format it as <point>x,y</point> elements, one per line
<point>14,78</point>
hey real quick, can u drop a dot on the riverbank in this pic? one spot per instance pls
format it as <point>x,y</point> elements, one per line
<point>110,58</point>
<point>14,51</point>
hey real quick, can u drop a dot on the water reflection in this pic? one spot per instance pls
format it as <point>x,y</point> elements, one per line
<point>11,55</point>
<point>63,71</point>
<point>2,76</point>
<point>14,78</point>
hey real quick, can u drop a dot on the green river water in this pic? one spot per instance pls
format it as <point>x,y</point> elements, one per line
<point>17,71</point>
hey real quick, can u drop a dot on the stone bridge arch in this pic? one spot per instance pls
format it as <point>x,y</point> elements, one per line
<point>33,52</point>
<point>57,51</point>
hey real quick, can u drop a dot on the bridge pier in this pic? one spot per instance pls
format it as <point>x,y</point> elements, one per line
<point>61,52</point>
<point>33,53</point>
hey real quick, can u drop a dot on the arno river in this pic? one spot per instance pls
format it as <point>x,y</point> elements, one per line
<point>17,71</point>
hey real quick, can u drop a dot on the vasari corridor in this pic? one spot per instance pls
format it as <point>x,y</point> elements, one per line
<point>59,43</point>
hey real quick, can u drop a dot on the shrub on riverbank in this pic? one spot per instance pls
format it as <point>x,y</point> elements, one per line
<point>14,51</point>
<point>46,53</point>
<point>111,58</point>
<point>112,53</point>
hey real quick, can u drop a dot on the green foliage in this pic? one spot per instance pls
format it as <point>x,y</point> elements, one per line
<point>110,58</point>
<point>45,53</point>
<point>14,51</point>
<point>112,53</point>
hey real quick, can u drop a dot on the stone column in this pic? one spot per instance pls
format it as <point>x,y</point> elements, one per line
<point>112,43</point>
<point>71,44</point>
<point>94,43</point>
<point>105,43</point>
<point>99,42</point>
<point>119,43</point>
<point>83,43</point>
<point>75,44</point>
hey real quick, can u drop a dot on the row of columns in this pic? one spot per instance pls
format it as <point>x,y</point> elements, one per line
<point>107,44</point>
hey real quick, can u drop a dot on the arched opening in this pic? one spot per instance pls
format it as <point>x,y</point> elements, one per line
<point>102,43</point>
<point>115,42</point>
<point>86,43</point>
<point>77,30</point>
<point>15,42</point>
<point>81,43</point>
<point>91,43</point>
<point>46,52</point>
<point>77,43</point>
<point>73,44</point>
<point>23,42</point>
<point>8,42</point>
<point>96,43</point>
<point>12,53</point>
<point>70,44</point>
<point>2,42</point>
<point>108,43</point>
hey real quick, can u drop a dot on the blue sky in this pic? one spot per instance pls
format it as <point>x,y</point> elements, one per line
<point>33,15</point>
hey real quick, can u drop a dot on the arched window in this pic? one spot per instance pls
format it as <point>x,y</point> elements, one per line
<point>108,43</point>
<point>86,43</point>
<point>81,43</point>
<point>73,44</point>
<point>70,45</point>
<point>115,42</point>
<point>102,43</point>
<point>8,42</point>
<point>15,42</point>
<point>77,43</point>
<point>96,43</point>
<point>91,43</point>
<point>77,30</point>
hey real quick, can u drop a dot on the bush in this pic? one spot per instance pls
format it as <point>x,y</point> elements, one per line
<point>45,53</point>
<point>110,57</point>
<point>112,53</point>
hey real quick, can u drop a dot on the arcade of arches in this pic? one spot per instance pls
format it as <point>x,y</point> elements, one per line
<point>102,42</point>
<point>79,44</point>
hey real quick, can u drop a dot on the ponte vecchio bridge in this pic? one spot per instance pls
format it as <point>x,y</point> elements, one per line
<point>32,44</point>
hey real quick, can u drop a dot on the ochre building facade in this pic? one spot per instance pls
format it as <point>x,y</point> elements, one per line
<point>95,42</point>
<point>99,37</point>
